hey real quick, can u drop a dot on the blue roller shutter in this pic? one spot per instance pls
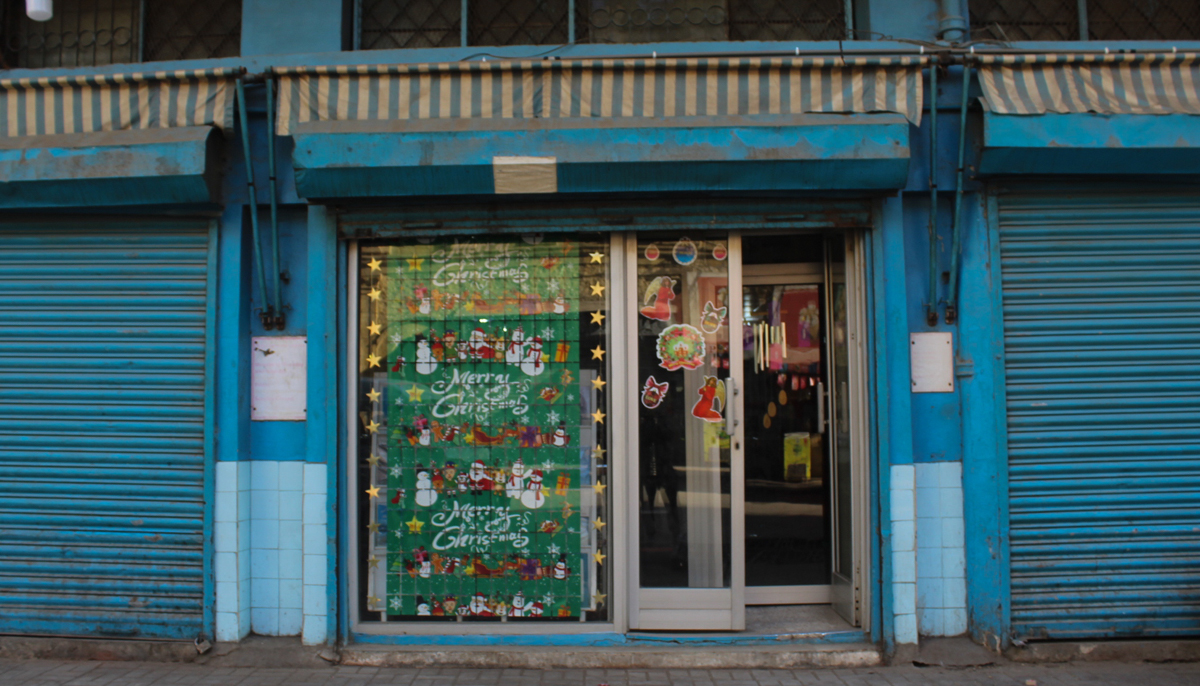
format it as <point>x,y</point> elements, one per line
<point>104,457</point>
<point>1102,341</point>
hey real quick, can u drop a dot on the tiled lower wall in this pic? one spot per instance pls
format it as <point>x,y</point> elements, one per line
<point>941,551</point>
<point>904,555</point>
<point>271,549</point>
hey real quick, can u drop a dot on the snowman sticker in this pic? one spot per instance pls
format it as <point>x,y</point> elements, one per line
<point>426,495</point>
<point>423,607</point>
<point>426,362</point>
<point>516,347</point>
<point>516,483</point>
<point>560,437</point>
<point>560,571</point>
<point>518,605</point>
<point>426,302</point>
<point>532,363</point>
<point>533,498</point>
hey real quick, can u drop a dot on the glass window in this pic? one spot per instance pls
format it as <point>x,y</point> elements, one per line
<point>483,429</point>
<point>1061,20</point>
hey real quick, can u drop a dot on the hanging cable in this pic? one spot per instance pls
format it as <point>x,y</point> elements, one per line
<point>268,314</point>
<point>956,240</point>
<point>931,313</point>
<point>279,319</point>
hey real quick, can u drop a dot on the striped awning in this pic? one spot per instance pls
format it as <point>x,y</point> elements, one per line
<point>607,89</point>
<point>116,102</point>
<point>1110,84</point>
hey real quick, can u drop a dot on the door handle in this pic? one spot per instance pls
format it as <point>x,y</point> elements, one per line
<point>730,403</point>
<point>820,407</point>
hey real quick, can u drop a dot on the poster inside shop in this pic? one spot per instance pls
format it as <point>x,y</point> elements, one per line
<point>484,373</point>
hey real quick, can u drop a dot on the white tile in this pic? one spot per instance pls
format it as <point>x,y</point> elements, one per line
<point>314,508</point>
<point>244,601</point>
<point>931,622</point>
<point>315,539</point>
<point>291,621</point>
<point>291,506</point>
<point>925,475</point>
<point>243,536</point>
<point>904,535</point>
<point>906,628</point>
<point>954,594</point>
<point>227,596</point>
<point>291,594</point>
<point>225,507</point>
<point>291,535</point>
<point>264,533</point>
<point>952,502</point>
<point>316,478</point>
<point>225,567</point>
<point>929,594</point>
<point>226,477</point>
<point>316,600</point>
<point>228,627</point>
<point>904,567</point>
<point>225,538</point>
<point>264,593</point>
<point>952,532</point>
<point>316,629</point>
<point>956,622</point>
<point>243,474</point>
<point>291,476</point>
<point>929,562</point>
<point>265,621</point>
<point>902,506</point>
<point>314,569</point>
<point>291,564</point>
<point>904,598</point>
<point>954,563</point>
<point>264,564</point>
<point>243,509</point>
<point>903,477</point>
<point>929,532</point>
<point>264,475</point>
<point>265,505</point>
<point>951,475</point>
<point>929,502</point>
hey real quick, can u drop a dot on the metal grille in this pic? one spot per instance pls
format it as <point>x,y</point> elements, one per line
<point>1021,20</point>
<point>83,33</point>
<point>777,20</point>
<point>518,22</point>
<point>184,30</point>
<point>1144,20</point>
<point>410,24</point>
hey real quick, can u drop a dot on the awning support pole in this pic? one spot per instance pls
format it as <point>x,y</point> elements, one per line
<point>244,123</point>
<point>931,313</point>
<point>956,245</point>
<point>280,318</point>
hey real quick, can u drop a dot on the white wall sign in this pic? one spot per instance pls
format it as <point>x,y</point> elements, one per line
<point>525,174</point>
<point>932,358</point>
<point>279,378</point>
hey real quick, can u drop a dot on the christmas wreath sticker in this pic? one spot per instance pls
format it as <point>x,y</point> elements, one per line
<point>680,346</point>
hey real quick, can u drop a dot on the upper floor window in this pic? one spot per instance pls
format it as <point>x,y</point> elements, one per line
<point>386,24</point>
<point>1060,20</point>
<point>86,33</point>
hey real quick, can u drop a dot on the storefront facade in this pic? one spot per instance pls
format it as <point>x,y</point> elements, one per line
<point>611,348</point>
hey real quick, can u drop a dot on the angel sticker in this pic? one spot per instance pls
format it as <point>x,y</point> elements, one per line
<point>712,317</point>
<point>711,402</point>
<point>653,392</point>
<point>658,297</point>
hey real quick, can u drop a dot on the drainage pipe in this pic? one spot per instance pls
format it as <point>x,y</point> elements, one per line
<point>956,241</point>
<point>931,313</point>
<point>279,316</point>
<point>244,122</point>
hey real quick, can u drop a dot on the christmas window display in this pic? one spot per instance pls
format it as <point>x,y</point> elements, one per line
<point>482,429</point>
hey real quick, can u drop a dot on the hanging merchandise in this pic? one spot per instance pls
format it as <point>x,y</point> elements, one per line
<point>680,346</point>
<point>657,299</point>
<point>653,393</point>
<point>711,402</point>
<point>652,252</point>
<point>685,251</point>
<point>475,445</point>
<point>719,252</point>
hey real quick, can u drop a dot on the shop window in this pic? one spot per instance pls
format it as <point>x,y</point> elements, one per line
<point>439,23</point>
<point>483,430</point>
<point>1060,20</point>
<point>86,33</point>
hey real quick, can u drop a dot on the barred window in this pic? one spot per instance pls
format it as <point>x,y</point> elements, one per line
<point>1057,20</point>
<point>384,24</point>
<point>85,33</point>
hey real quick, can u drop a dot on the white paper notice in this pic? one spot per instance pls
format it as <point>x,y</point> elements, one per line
<point>932,356</point>
<point>278,378</point>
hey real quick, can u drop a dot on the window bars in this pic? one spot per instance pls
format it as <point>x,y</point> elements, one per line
<point>1059,20</point>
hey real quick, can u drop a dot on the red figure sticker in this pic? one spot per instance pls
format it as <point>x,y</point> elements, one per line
<point>711,402</point>
<point>657,299</point>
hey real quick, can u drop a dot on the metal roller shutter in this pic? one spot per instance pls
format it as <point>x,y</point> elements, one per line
<point>1102,337</point>
<point>104,453</point>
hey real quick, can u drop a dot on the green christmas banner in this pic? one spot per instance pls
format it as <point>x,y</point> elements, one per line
<point>487,431</point>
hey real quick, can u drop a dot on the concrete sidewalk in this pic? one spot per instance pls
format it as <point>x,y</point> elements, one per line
<point>68,673</point>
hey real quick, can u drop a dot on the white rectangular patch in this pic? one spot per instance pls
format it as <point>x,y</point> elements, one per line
<point>279,378</point>
<point>932,359</point>
<point>525,174</point>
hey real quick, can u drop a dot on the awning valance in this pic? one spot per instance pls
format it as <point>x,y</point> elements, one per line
<point>1109,84</point>
<point>605,89</point>
<point>116,102</point>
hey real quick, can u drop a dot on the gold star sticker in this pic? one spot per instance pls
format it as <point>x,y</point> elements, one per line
<point>375,328</point>
<point>372,562</point>
<point>414,263</point>
<point>598,318</point>
<point>373,459</point>
<point>414,394</point>
<point>374,294</point>
<point>373,426</point>
<point>375,265</point>
<point>598,416</point>
<point>599,557</point>
<point>598,598</point>
<point>373,527</point>
<point>598,452</point>
<point>373,360</point>
<point>598,383</point>
<point>414,525</point>
<point>597,524</point>
<point>373,491</point>
<point>374,395</point>
<point>596,257</point>
<point>597,353</point>
<point>598,289</point>
<point>599,487</point>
